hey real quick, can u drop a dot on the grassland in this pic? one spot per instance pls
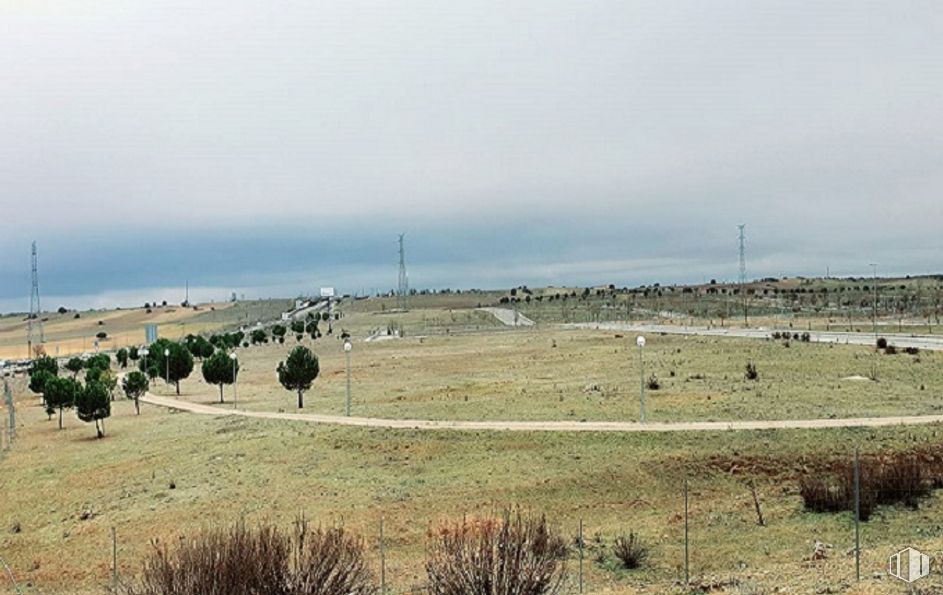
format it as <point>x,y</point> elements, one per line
<point>65,334</point>
<point>164,474</point>
<point>554,374</point>
<point>225,469</point>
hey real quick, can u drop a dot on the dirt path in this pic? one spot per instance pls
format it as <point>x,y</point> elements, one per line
<point>546,426</point>
<point>509,317</point>
<point>930,342</point>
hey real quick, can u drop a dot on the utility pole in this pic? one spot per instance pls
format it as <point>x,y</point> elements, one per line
<point>743,272</point>
<point>874,300</point>
<point>35,322</point>
<point>403,285</point>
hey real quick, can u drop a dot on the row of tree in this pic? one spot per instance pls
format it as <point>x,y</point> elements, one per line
<point>166,359</point>
<point>91,400</point>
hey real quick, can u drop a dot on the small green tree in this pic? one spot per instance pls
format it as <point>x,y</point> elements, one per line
<point>133,354</point>
<point>278,331</point>
<point>109,380</point>
<point>298,327</point>
<point>60,394</point>
<point>75,365</point>
<point>298,371</point>
<point>219,369</point>
<point>93,405</point>
<point>172,368</point>
<point>204,348</point>
<point>99,360</point>
<point>135,386</point>
<point>122,357</point>
<point>38,380</point>
<point>258,336</point>
<point>46,363</point>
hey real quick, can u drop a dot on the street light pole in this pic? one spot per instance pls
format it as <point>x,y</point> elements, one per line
<point>874,300</point>
<point>167,365</point>
<point>235,390</point>
<point>640,341</point>
<point>347,348</point>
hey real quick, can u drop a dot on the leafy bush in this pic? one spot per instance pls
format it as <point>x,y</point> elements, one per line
<point>241,561</point>
<point>498,556</point>
<point>630,550</point>
<point>652,383</point>
<point>882,343</point>
<point>890,350</point>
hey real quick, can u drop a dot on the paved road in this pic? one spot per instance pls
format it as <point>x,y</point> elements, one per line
<point>930,342</point>
<point>509,317</point>
<point>545,426</point>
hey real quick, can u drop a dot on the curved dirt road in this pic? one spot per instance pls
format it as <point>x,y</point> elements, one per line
<point>547,426</point>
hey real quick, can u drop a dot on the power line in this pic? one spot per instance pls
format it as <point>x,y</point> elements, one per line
<point>35,322</point>
<point>403,288</point>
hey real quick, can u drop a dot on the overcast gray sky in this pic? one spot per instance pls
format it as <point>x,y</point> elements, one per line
<point>578,141</point>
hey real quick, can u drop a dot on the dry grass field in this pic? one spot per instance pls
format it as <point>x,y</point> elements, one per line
<point>66,335</point>
<point>165,474</point>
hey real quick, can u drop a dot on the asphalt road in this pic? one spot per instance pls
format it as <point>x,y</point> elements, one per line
<point>930,342</point>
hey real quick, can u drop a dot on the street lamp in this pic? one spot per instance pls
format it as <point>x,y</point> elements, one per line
<point>167,365</point>
<point>347,348</point>
<point>235,391</point>
<point>144,353</point>
<point>640,341</point>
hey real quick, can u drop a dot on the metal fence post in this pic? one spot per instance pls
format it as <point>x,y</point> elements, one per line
<point>581,554</point>
<point>857,517</point>
<point>114,560</point>
<point>687,576</point>
<point>382,561</point>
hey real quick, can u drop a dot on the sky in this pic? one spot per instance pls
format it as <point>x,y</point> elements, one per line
<point>271,148</point>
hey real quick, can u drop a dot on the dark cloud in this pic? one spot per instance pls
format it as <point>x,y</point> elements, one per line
<point>557,138</point>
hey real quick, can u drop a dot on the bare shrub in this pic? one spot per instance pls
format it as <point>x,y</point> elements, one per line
<point>652,383</point>
<point>884,480</point>
<point>241,561</point>
<point>630,550</point>
<point>806,337</point>
<point>498,556</point>
<point>751,373</point>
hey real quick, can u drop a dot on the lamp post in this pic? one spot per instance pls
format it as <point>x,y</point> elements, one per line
<point>144,353</point>
<point>874,300</point>
<point>347,348</point>
<point>640,341</point>
<point>167,365</point>
<point>235,391</point>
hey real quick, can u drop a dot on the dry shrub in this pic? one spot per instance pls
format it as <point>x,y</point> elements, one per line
<point>751,373</point>
<point>631,551</point>
<point>241,561</point>
<point>653,383</point>
<point>901,478</point>
<point>496,556</point>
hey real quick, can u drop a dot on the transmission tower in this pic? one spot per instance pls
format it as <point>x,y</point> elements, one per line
<point>403,289</point>
<point>35,321</point>
<point>743,271</point>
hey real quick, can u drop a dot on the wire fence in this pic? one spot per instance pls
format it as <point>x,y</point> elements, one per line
<point>849,529</point>
<point>8,422</point>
